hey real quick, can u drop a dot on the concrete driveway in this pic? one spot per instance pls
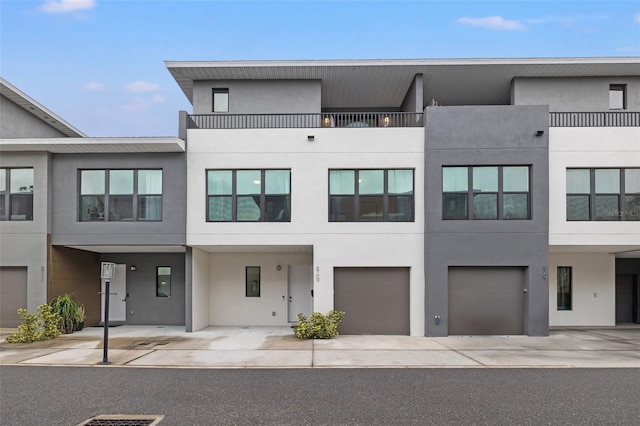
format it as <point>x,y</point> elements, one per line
<point>277,347</point>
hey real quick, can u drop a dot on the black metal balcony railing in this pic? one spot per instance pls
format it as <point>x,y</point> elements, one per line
<point>387,119</point>
<point>293,121</point>
<point>594,119</point>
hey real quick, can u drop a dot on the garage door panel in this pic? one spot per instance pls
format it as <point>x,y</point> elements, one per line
<point>486,301</point>
<point>13,295</point>
<point>375,300</point>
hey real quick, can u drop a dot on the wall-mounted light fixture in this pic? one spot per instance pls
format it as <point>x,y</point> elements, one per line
<point>539,133</point>
<point>385,121</point>
<point>311,138</point>
<point>133,268</point>
<point>326,122</point>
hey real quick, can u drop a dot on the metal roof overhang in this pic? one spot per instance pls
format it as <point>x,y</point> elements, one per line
<point>33,107</point>
<point>93,145</point>
<point>384,83</point>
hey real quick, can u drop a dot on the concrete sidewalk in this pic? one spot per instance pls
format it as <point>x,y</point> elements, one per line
<point>277,347</point>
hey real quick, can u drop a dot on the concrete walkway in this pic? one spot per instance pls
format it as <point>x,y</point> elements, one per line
<point>277,347</point>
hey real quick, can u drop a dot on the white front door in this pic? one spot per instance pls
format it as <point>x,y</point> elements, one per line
<point>300,291</point>
<point>118,296</point>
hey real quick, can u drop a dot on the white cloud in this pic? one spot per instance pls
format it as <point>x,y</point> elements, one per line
<point>142,86</point>
<point>636,18</point>
<point>493,23</point>
<point>142,103</point>
<point>66,6</point>
<point>94,86</point>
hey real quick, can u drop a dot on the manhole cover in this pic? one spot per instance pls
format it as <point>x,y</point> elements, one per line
<point>122,420</point>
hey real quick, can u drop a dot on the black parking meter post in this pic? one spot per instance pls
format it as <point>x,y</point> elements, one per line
<point>105,356</point>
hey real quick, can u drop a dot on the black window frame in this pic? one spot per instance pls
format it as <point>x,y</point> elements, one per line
<point>618,88</point>
<point>286,210</point>
<point>249,291</point>
<point>135,196</point>
<point>564,298</point>
<point>159,284</point>
<point>7,197</point>
<point>623,214</point>
<point>500,193</point>
<point>355,198</point>
<point>219,90</point>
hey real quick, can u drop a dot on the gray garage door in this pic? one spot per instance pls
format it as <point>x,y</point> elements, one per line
<point>485,300</point>
<point>375,300</point>
<point>13,295</point>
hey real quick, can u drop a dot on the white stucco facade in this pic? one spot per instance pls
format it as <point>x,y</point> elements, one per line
<point>309,237</point>
<point>593,289</point>
<point>588,247</point>
<point>589,147</point>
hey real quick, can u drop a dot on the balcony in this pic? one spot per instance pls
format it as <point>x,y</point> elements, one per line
<point>387,119</point>
<point>296,121</point>
<point>594,119</point>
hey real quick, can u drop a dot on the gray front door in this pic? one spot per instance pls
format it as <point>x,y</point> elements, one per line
<point>625,298</point>
<point>486,300</point>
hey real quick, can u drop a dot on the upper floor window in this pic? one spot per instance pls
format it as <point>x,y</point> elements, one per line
<point>485,192</point>
<point>120,195</point>
<point>248,195</point>
<point>603,194</point>
<point>618,96</point>
<point>16,194</point>
<point>220,100</point>
<point>371,195</point>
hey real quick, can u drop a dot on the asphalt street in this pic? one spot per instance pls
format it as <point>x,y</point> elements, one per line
<point>33,395</point>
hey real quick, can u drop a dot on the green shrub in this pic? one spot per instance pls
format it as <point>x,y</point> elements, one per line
<point>33,328</point>
<point>49,322</point>
<point>318,326</point>
<point>66,306</point>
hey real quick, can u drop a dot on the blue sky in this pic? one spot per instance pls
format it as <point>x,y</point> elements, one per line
<point>99,64</point>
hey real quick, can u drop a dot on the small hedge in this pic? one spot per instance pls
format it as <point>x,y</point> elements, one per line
<point>318,326</point>
<point>34,328</point>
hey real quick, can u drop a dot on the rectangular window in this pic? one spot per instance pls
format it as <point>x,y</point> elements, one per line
<point>384,195</point>
<point>127,195</point>
<point>603,194</point>
<point>248,195</point>
<point>618,96</point>
<point>16,194</point>
<point>485,192</point>
<point>163,281</point>
<point>252,281</point>
<point>220,100</point>
<point>564,288</point>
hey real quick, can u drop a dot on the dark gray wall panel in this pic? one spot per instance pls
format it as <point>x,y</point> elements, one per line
<point>486,301</point>
<point>68,230</point>
<point>475,136</point>
<point>375,300</point>
<point>143,306</point>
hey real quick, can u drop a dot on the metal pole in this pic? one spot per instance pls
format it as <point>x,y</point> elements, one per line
<point>105,356</point>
